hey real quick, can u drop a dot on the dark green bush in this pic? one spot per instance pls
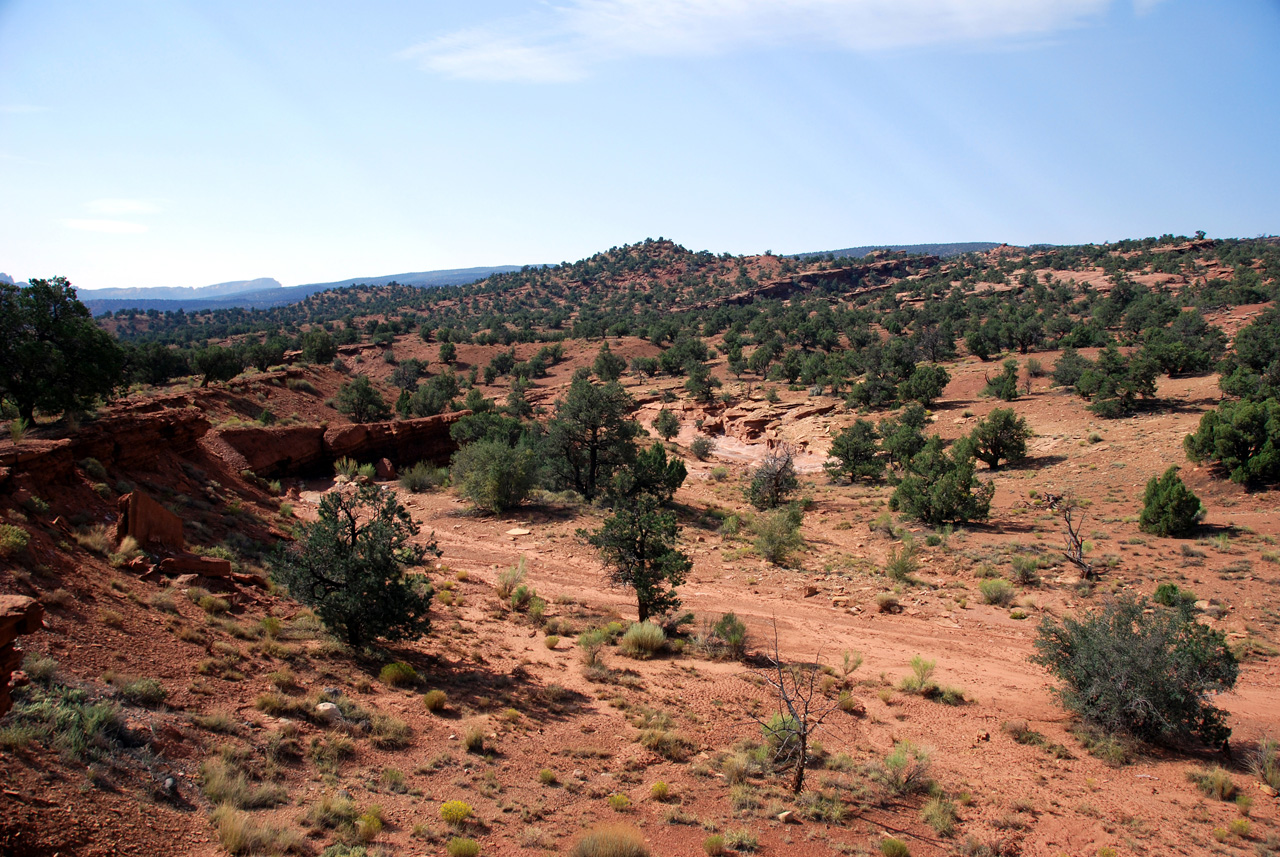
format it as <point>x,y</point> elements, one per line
<point>492,475</point>
<point>939,487</point>
<point>1141,670</point>
<point>1002,436</point>
<point>1241,438</point>
<point>1169,508</point>
<point>855,453</point>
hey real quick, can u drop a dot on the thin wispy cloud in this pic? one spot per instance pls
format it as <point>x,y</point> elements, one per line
<point>111,227</point>
<point>565,42</point>
<point>122,206</point>
<point>22,108</point>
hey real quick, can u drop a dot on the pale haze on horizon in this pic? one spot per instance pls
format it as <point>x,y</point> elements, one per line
<point>185,143</point>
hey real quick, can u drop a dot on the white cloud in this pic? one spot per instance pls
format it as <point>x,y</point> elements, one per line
<point>122,206</point>
<point>564,42</point>
<point>115,227</point>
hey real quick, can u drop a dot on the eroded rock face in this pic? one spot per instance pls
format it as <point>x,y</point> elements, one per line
<point>18,615</point>
<point>272,451</point>
<point>148,522</point>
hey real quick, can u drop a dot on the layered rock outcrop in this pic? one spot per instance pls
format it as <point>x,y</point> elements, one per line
<point>19,615</point>
<point>277,451</point>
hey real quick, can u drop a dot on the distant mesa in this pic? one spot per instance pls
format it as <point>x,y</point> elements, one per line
<point>183,292</point>
<point>265,292</point>
<point>5,278</point>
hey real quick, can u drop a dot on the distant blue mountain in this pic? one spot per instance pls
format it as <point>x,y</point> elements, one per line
<point>261,296</point>
<point>942,251</point>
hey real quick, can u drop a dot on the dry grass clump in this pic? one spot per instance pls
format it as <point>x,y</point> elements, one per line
<point>225,783</point>
<point>96,539</point>
<point>611,840</point>
<point>1214,782</point>
<point>460,846</point>
<point>643,640</point>
<point>1265,763</point>
<point>242,834</point>
<point>435,700</point>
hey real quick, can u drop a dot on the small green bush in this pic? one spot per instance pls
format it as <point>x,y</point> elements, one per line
<point>1265,762</point>
<point>434,700</point>
<point>619,802</point>
<point>643,640</point>
<point>1215,783</point>
<point>423,476</point>
<point>778,534</point>
<point>940,814</point>
<point>730,632</point>
<point>713,845</point>
<point>398,674</point>
<point>996,591</point>
<point>1169,508</point>
<point>461,847</point>
<point>702,447</point>
<point>891,847</point>
<point>144,691</point>
<point>905,770</point>
<point>13,540</point>
<point>510,578</point>
<point>473,740</point>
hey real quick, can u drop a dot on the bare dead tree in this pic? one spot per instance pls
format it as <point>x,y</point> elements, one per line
<point>801,709</point>
<point>1069,509</point>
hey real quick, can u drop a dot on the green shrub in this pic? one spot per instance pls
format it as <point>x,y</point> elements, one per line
<point>702,447</point>
<point>548,777</point>
<point>619,802</point>
<point>778,534</point>
<point>473,740</point>
<point>713,845</point>
<point>397,674</point>
<point>492,475</point>
<point>660,791</point>
<point>1242,439</point>
<point>891,847</point>
<point>423,476</point>
<point>1170,595</point>
<point>1148,674</point>
<point>902,562</point>
<point>13,540</point>
<point>224,783</point>
<point>346,467</point>
<point>996,591</point>
<point>643,640</point>
<point>939,487</point>
<point>242,834</point>
<point>921,679</point>
<point>510,578</point>
<point>905,770</point>
<point>68,719</point>
<point>730,632</point>
<point>610,840</point>
<point>144,691</point>
<point>1002,436</point>
<point>1169,508</point>
<point>741,839</point>
<point>461,847</point>
<point>940,814</point>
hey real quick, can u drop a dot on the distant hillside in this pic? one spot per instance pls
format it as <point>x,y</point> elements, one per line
<point>181,293</point>
<point>942,251</point>
<point>264,298</point>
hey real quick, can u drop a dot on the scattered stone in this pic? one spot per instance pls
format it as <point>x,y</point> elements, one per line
<point>328,712</point>
<point>810,591</point>
<point>787,817</point>
<point>518,531</point>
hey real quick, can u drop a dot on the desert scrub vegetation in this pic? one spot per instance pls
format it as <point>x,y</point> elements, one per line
<point>996,591</point>
<point>225,782</point>
<point>905,770</point>
<point>1168,506</point>
<point>398,674</point>
<point>13,540</point>
<point>242,834</point>
<point>778,534</point>
<point>1264,762</point>
<point>643,640</point>
<point>1140,669</point>
<point>69,720</point>
<point>423,477</point>
<point>455,813</point>
<point>461,846</point>
<point>1214,782</point>
<point>435,700</point>
<point>610,840</point>
<point>921,683</point>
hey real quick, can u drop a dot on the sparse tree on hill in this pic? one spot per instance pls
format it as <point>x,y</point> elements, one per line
<point>608,366</point>
<point>52,355</point>
<point>349,565</point>
<point>637,544</point>
<point>1002,436</point>
<point>774,480</point>
<point>855,453</point>
<point>666,424</point>
<point>359,400</point>
<point>591,435</point>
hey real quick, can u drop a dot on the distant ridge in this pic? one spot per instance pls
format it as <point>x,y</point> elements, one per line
<point>183,292</point>
<point>264,298</point>
<point>942,251</point>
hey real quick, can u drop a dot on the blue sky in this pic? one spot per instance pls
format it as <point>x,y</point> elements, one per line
<point>181,144</point>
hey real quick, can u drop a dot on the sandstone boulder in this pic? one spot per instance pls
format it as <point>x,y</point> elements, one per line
<point>19,615</point>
